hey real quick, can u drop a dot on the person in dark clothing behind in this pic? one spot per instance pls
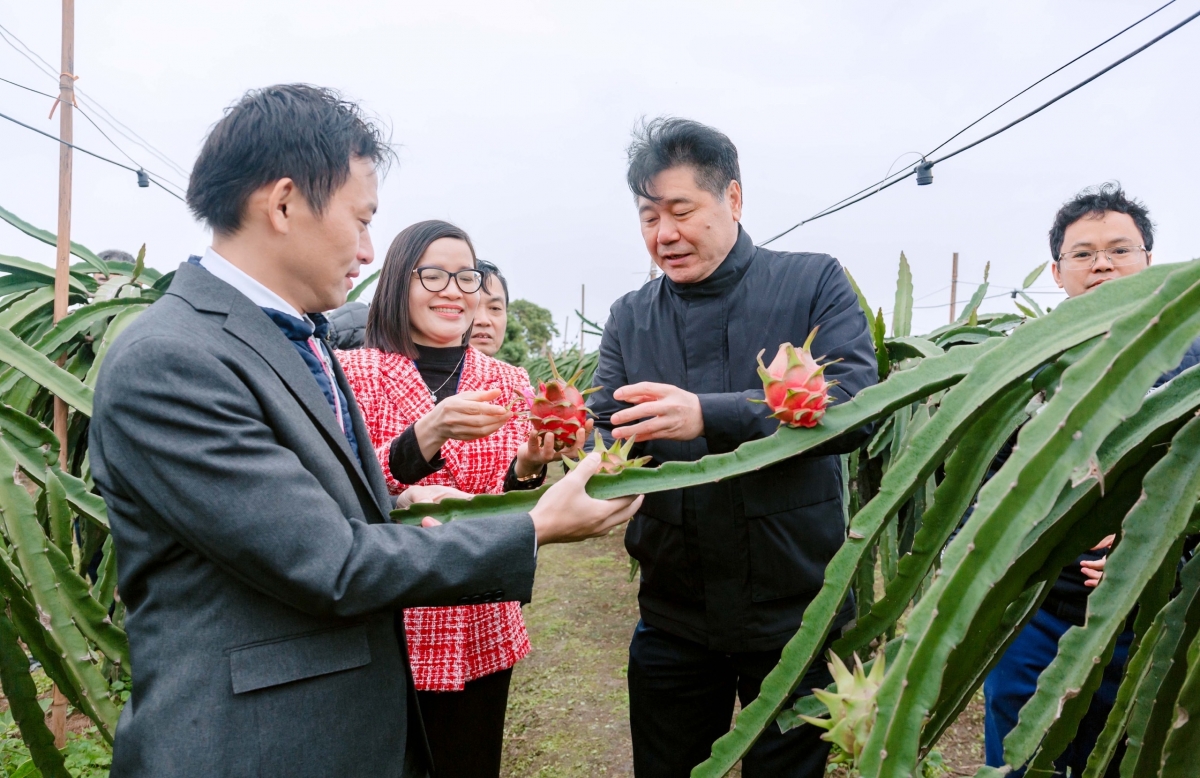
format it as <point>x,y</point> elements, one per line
<point>1098,236</point>
<point>728,568</point>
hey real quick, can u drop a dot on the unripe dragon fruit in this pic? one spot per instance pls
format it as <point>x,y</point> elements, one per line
<point>794,386</point>
<point>612,460</point>
<point>558,408</point>
<point>852,708</point>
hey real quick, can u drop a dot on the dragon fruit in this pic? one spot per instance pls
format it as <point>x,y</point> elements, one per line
<point>794,386</point>
<point>558,408</point>
<point>612,460</point>
<point>852,708</point>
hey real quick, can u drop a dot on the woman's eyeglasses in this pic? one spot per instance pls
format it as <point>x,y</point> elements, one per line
<point>434,279</point>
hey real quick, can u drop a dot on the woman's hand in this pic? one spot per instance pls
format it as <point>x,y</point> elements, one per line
<point>538,451</point>
<point>466,416</point>
<point>427,494</point>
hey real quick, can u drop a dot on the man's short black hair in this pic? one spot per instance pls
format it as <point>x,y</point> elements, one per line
<point>490,271</point>
<point>297,131</point>
<point>1093,202</point>
<point>667,142</point>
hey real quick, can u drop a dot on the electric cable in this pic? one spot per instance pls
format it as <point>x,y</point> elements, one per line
<point>150,178</point>
<point>884,183</point>
<point>105,115</point>
<point>99,130</point>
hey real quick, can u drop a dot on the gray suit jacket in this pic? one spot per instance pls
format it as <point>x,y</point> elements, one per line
<point>262,578</point>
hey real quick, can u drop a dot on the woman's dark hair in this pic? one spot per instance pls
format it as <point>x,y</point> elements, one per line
<point>389,327</point>
<point>1095,201</point>
<point>667,142</point>
<point>297,131</point>
<point>490,271</point>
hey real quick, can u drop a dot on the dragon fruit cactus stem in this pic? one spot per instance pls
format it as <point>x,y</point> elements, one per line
<point>794,385</point>
<point>558,408</point>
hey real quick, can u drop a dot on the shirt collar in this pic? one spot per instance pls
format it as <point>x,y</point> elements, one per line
<point>725,277</point>
<point>237,278</point>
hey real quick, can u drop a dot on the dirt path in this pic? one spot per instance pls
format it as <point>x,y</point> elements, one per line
<point>568,713</point>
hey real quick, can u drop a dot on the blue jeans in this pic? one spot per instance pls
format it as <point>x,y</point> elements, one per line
<point>1013,681</point>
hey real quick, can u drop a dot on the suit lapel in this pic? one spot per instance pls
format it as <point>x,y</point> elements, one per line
<point>246,322</point>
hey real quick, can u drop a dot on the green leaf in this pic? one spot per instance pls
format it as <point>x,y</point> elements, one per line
<point>1031,304</point>
<point>50,239</point>
<point>362,285</point>
<point>912,348</point>
<point>1181,756</point>
<point>973,304</point>
<point>1033,275</point>
<point>115,327</point>
<point>1106,385</point>
<point>902,311</point>
<point>139,266</point>
<point>26,269</point>
<point>29,361</point>
<point>22,696</point>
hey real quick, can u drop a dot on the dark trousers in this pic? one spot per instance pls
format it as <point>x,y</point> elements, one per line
<point>1013,681</point>
<point>466,728</point>
<point>681,700</point>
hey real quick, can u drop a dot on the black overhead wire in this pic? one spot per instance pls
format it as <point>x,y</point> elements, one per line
<point>152,180</point>
<point>99,130</point>
<point>105,115</point>
<point>884,183</point>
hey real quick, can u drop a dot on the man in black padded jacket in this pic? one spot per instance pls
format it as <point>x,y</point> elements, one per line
<point>727,568</point>
<point>1098,236</point>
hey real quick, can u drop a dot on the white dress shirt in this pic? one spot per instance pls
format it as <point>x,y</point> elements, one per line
<point>237,278</point>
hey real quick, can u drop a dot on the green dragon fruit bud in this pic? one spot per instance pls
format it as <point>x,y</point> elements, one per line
<point>612,460</point>
<point>852,708</point>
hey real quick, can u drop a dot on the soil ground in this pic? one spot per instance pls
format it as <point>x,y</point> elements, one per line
<point>568,711</point>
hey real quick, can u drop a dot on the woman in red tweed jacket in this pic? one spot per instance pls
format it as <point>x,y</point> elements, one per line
<point>439,414</point>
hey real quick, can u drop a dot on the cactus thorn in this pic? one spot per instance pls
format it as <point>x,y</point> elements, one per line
<point>970,547</point>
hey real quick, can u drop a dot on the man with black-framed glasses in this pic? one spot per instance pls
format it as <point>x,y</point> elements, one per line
<point>1098,236</point>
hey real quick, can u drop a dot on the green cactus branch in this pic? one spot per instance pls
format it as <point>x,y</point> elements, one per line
<point>871,404</point>
<point>1181,757</point>
<point>1075,322</point>
<point>21,693</point>
<point>32,363</point>
<point>1105,385</point>
<point>1170,491</point>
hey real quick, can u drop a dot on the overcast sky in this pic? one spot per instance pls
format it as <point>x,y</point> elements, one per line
<point>512,119</point>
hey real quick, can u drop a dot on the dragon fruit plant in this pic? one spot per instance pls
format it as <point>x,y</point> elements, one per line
<point>558,408</point>
<point>794,385</point>
<point>852,708</point>
<point>612,460</point>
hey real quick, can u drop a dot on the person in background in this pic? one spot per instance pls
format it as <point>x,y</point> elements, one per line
<point>491,318</point>
<point>1098,236</point>
<point>348,325</point>
<point>728,568</point>
<point>438,413</point>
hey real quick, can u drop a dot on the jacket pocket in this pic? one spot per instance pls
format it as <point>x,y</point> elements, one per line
<point>790,549</point>
<point>275,662</point>
<point>792,483</point>
<point>655,538</point>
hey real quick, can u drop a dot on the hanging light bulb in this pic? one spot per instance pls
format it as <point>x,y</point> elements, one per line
<point>924,173</point>
<point>143,179</point>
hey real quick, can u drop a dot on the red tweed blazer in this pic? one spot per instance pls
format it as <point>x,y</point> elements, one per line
<point>447,646</point>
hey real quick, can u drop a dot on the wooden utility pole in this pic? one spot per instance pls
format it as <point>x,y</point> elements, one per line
<point>582,313</point>
<point>62,272</point>
<point>953,286</point>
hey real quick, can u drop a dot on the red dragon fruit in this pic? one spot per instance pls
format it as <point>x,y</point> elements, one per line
<point>794,386</point>
<point>558,408</point>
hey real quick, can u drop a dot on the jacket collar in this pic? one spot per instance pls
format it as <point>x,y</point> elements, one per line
<point>247,322</point>
<point>725,277</point>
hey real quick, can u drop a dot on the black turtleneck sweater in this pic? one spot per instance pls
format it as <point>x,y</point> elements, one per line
<point>440,369</point>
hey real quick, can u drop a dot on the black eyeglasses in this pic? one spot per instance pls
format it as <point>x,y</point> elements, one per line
<point>434,279</point>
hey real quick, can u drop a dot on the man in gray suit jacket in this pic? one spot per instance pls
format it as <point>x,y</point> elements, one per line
<point>262,577</point>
